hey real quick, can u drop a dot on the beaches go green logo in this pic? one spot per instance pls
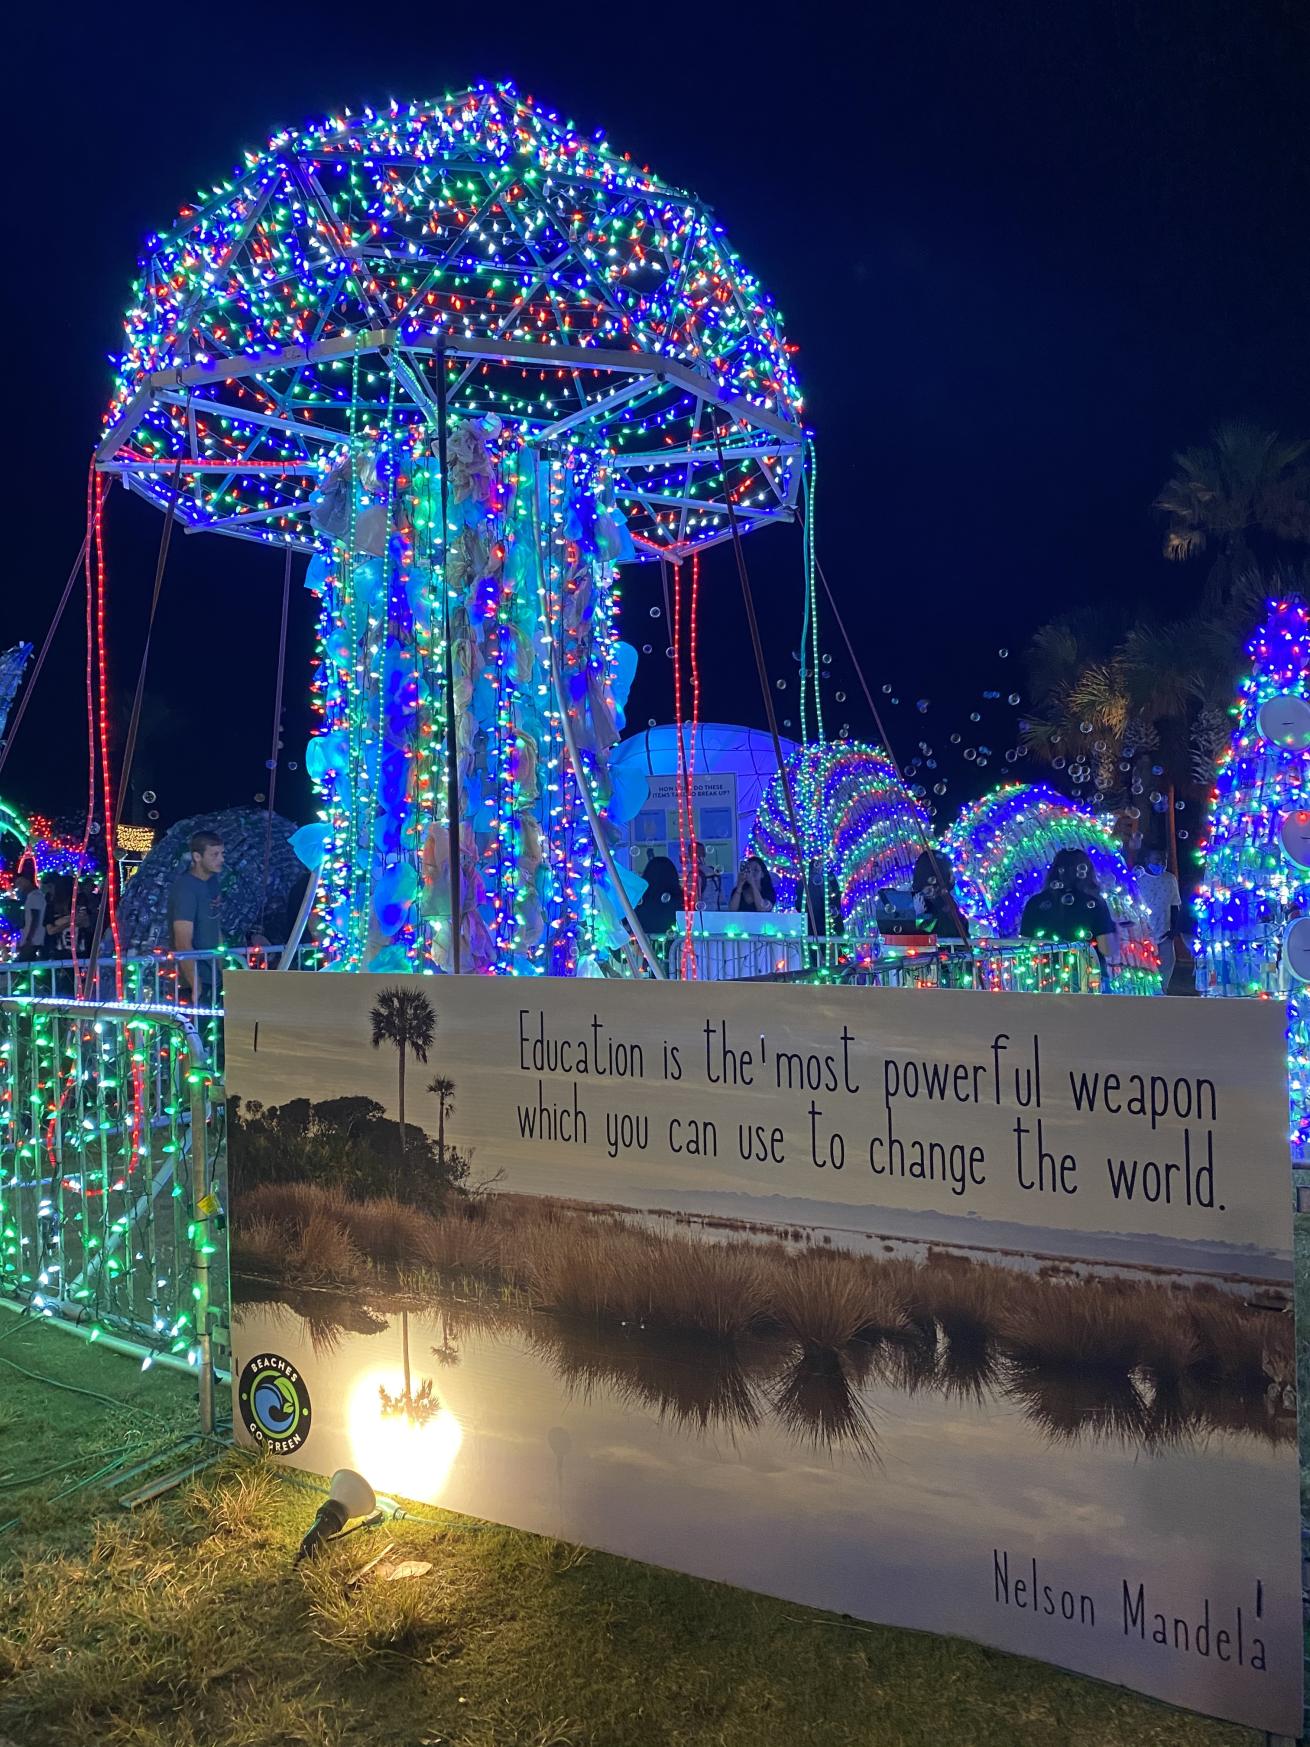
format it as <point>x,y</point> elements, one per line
<point>274,1403</point>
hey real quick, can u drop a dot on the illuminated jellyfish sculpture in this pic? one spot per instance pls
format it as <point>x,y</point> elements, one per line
<point>1001,846</point>
<point>855,817</point>
<point>469,362</point>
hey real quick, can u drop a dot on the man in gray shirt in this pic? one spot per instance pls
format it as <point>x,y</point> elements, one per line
<point>33,901</point>
<point>195,908</point>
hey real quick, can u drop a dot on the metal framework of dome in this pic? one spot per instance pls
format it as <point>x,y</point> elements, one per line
<point>318,293</point>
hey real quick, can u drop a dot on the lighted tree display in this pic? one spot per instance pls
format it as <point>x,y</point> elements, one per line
<point>1252,886</point>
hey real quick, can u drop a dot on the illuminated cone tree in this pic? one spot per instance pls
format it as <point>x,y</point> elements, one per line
<point>1253,886</point>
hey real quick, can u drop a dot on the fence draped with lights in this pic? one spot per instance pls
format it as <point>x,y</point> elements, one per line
<point>111,1163</point>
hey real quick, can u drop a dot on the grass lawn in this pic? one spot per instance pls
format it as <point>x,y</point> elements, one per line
<point>184,1624</point>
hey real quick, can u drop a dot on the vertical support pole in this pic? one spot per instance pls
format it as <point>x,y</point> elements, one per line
<point>275,740</point>
<point>195,1084</point>
<point>452,733</point>
<point>1173,834</point>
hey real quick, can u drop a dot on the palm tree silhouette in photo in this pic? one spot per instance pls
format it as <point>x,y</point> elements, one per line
<point>417,1406</point>
<point>442,1088</point>
<point>405,1018</point>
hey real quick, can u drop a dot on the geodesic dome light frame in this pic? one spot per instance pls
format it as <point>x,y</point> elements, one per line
<point>322,289</point>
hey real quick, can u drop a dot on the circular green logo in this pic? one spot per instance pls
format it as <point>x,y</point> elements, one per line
<point>274,1403</point>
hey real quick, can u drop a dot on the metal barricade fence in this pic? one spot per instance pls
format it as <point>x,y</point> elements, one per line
<point>189,984</point>
<point>112,1165</point>
<point>1017,966</point>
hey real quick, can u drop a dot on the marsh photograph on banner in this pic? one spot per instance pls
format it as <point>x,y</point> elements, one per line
<point>964,1313</point>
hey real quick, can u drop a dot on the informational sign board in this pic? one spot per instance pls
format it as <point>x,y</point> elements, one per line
<point>958,1311</point>
<point>654,831</point>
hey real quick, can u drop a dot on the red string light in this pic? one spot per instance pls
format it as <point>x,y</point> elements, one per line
<point>102,724</point>
<point>689,961</point>
<point>680,780</point>
<point>91,479</point>
<point>99,745</point>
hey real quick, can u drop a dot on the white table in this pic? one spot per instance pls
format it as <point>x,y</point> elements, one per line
<point>731,944</point>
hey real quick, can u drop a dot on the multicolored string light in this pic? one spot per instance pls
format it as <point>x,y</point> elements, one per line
<point>528,558</point>
<point>849,800</point>
<point>1002,845</point>
<point>468,269</point>
<point>1251,887</point>
<point>105,1218</point>
<point>487,222</point>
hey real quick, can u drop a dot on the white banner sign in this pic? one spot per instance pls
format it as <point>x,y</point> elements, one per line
<point>966,1312</point>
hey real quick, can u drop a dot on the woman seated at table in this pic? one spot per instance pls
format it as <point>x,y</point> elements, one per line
<point>753,891</point>
<point>935,903</point>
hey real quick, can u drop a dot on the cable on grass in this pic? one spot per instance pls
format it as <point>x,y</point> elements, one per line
<point>57,1383</point>
<point>101,1473</point>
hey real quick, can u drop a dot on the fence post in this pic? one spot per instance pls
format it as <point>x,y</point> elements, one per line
<point>199,1237</point>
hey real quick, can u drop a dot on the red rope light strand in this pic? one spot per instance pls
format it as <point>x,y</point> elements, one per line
<point>690,966</point>
<point>90,704</point>
<point>680,778</point>
<point>102,722</point>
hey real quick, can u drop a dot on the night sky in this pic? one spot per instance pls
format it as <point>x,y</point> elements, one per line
<point>1027,250</point>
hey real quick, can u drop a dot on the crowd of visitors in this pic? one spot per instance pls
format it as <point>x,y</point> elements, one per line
<point>57,915</point>
<point>1068,908</point>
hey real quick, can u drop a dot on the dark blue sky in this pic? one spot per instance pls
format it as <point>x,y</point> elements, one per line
<point>1026,250</point>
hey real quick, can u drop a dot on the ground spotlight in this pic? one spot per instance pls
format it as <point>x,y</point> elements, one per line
<point>350,1495</point>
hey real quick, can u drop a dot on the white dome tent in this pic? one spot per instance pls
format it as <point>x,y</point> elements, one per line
<point>730,767</point>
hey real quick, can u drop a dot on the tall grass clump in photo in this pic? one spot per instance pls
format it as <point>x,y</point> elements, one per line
<point>1065,1327</point>
<point>967,1303</point>
<point>826,1302</point>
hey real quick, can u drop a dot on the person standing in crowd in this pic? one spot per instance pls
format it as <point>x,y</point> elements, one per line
<point>823,915</point>
<point>936,906</point>
<point>1159,892</point>
<point>658,909</point>
<point>195,914</point>
<point>32,941</point>
<point>753,891</point>
<point>54,889</point>
<point>702,873</point>
<point>58,890</point>
<point>1070,908</point>
<point>67,934</point>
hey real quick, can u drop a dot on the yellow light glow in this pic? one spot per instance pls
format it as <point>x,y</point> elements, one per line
<point>399,1456</point>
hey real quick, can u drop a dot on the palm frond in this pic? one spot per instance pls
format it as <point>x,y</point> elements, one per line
<point>1244,477</point>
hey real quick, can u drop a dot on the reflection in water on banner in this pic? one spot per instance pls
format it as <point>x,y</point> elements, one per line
<point>879,1477</point>
<point>408,1453</point>
<point>824,1396</point>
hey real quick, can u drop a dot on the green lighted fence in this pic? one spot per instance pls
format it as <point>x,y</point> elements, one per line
<point>111,1148</point>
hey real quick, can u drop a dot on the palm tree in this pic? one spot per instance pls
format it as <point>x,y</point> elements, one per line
<point>1083,713</point>
<point>405,1018</point>
<point>1142,705</point>
<point>1244,483</point>
<point>1114,704</point>
<point>442,1088</point>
